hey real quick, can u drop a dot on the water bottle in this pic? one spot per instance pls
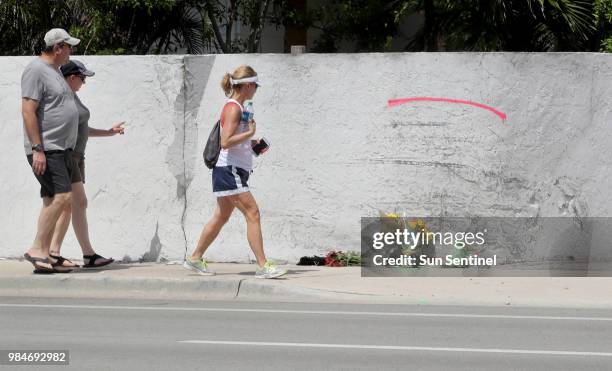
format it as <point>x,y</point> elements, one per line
<point>249,112</point>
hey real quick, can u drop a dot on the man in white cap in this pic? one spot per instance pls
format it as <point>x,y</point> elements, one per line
<point>50,121</point>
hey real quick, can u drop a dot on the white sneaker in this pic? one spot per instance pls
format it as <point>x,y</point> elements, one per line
<point>269,270</point>
<point>199,266</point>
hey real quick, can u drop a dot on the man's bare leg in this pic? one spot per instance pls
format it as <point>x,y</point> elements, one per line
<point>49,214</point>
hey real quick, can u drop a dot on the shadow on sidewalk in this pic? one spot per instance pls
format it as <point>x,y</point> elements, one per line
<point>111,267</point>
<point>289,272</point>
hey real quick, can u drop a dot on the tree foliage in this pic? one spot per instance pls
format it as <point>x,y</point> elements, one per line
<point>253,14</point>
<point>210,26</point>
<point>106,26</point>
<point>369,24</point>
<point>472,25</point>
<point>513,25</point>
<point>603,19</point>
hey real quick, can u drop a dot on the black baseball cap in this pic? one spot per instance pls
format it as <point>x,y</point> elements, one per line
<point>74,67</point>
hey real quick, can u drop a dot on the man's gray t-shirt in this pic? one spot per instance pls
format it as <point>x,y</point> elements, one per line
<point>57,113</point>
<point>83,135</point>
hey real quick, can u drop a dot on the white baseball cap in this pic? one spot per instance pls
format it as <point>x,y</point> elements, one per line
<point>59,35</point>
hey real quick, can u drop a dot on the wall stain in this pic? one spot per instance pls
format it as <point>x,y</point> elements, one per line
<point>155,248</point>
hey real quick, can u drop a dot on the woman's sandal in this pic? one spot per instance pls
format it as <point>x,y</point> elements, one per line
<point>59,267</point>
<point>92,261</point>
<point>39,268</point>
<point>61,260</point>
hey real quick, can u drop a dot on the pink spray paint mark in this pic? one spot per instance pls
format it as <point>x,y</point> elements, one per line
<point>397,102</point>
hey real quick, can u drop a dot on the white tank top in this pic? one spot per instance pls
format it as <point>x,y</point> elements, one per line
<point>241,154</point>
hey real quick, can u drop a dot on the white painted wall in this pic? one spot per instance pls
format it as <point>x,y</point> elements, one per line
<point>338,152</point>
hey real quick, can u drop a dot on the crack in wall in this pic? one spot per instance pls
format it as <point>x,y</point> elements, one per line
<point>194,73</point>
<point>185,185</point>
<point>167,75</point>
<point>189,101</point>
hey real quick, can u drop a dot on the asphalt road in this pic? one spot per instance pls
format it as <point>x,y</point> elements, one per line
<point>156,335</point>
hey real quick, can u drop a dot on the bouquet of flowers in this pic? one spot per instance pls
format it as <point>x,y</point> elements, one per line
<point>342,259</point>
<point>390,222</point>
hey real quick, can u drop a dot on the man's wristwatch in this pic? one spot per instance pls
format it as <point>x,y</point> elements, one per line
<point>37,148</point>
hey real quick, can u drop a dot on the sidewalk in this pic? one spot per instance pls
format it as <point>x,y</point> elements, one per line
<point>303,284</point>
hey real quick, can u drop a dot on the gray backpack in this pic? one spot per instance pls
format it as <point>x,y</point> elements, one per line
<point>213,146</point>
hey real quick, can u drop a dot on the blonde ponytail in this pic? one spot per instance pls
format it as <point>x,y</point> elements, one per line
<point>226,84</point>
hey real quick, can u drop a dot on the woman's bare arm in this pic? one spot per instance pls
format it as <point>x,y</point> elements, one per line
<point>231,120</point>
<point>115,129</point>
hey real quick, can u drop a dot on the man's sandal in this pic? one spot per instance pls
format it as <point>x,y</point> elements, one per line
<point>37,267</point>
<point>38,271</point>
<point>91,263</point>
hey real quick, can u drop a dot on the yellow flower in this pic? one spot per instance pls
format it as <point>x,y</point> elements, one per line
<point>392,215</point>
<point>418,225</point>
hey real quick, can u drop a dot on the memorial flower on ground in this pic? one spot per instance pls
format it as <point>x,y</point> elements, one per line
<point>392,222</point>
<point>342,259</point>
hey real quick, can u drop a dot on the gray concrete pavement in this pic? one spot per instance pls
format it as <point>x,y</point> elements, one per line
<point>305,283</point>
<point>234,335</point>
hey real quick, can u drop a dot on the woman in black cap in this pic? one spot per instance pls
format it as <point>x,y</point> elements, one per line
<point>75,74</point>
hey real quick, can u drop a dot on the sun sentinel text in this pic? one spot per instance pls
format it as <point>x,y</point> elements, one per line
<point>424,260</point>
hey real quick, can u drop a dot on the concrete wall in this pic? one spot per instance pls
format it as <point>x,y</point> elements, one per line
<point>338,151</point>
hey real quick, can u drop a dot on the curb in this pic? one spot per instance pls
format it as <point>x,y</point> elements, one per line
<point>257,289</point>
<point>196,288</point>
<point>254,289</point>
<point>190,288</point>
<point>246,289</point>
<point>118,287</point>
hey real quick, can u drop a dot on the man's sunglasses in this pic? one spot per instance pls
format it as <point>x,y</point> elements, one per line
<point>72,48</point>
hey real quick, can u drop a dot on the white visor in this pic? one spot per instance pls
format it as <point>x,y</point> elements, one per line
<point>245,81</point>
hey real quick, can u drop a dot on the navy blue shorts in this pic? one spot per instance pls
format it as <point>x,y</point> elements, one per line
<point>229,180</point>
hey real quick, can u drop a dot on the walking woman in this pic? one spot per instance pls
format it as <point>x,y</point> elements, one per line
<point>75,74</point>
<point>231,174</point>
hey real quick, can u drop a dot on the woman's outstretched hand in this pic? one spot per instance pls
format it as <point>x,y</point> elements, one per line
<point>117,128</point>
